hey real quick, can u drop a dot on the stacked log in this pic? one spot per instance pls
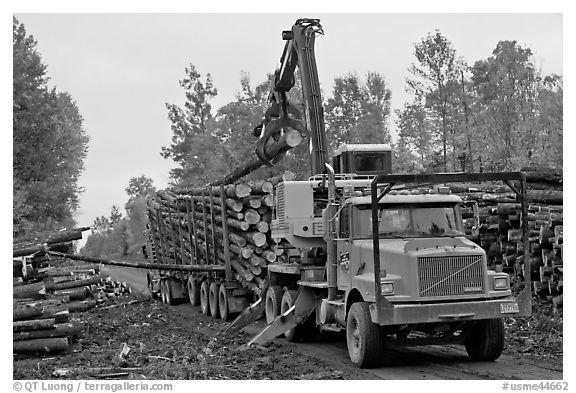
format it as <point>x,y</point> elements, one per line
<point>45,297</point>
<point>500,228</point>
<point>207,226</point>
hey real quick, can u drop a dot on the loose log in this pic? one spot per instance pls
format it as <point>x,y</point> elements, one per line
<point>33,324</point>
<point>542,175</point>
<point>75,294</point>
<point>79,283</point>
<point>41,345</point>
<point>82,306</point>
<point>20,313</point>
<point>59,330</point>
<point>34,291</point>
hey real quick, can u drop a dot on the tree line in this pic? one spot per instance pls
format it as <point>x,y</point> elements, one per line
<point>497,114</point>
<point>49,144</point>
<point>118,235</point>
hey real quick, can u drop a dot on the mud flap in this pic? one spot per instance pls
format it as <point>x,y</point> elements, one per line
<point>247,316</point>
<point>524,300</point>
<point>304,305</point>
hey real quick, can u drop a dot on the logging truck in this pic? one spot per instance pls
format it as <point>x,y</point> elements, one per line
<point>354,248</point>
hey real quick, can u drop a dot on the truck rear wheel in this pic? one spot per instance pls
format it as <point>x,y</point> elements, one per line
<point>363,337</point>
<point>223,297</point>
<point>273,301</point>
<point>213,300</point>
<point>204,303</point>
<point>193,291</point>
<point>485,340</point>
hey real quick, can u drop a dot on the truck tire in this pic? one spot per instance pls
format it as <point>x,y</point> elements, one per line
<point>193,286</point>
<point>273,301</point>
<point>204,302</point>
<point>363,337</point>
<point>168,293</point>
<point>223,296</point>
<point>485,340</point>
<point>213,300</point>
<point>149,283</point>
<point>288,300</point>
<point>162,286</point>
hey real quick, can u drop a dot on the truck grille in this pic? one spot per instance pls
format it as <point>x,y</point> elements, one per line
<point>453,275</point>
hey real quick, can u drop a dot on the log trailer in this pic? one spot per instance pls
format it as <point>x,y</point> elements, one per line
<point>379,256</point>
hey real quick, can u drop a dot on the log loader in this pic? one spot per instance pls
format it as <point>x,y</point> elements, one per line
<point>378,256</point>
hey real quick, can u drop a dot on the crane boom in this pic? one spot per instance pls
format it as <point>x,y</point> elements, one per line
<point>298,52</point>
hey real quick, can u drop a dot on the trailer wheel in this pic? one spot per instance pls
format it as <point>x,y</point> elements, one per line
<point>273,302</point>
<point>168,293</point>
<point>162,290</point>
<point>213,300</point>
<point>485,340</point>
<point>363,337</point>
<point>223,296</point>
<point>204,303</point>
<point>193,291</point>
<point>149,283</point>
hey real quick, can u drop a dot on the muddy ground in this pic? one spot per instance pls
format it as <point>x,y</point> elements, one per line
<point>178,342</point>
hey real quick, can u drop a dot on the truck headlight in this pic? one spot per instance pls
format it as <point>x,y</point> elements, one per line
<point>387,288</point>
<point>501,283</point>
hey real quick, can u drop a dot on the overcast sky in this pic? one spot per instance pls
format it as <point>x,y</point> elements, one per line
<point>122,68</point>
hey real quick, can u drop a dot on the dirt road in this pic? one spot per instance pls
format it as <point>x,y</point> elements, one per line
<point>416,363</point>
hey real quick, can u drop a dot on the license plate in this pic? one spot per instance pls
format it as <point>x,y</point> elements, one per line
<point>509,308</point>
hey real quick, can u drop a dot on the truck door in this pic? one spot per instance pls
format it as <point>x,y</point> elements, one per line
<point>343,248</point>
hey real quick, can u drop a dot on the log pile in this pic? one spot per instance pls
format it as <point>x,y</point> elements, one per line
<point>500,222</point>
<point>38,245</point>
<point>198,225</point>
<point>47,295</point>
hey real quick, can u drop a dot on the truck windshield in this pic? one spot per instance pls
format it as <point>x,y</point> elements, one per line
<point>409,221</point>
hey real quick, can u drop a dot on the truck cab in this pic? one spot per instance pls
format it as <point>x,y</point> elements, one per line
<point>423,251</point>
<point>363,159</point>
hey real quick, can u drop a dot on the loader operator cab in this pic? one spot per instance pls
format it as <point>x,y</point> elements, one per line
<point>363,159</point>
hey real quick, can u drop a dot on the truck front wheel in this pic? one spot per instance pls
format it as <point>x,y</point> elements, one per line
<point>364,338</point>
<point>273,301</point>
<point>485,340</point>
